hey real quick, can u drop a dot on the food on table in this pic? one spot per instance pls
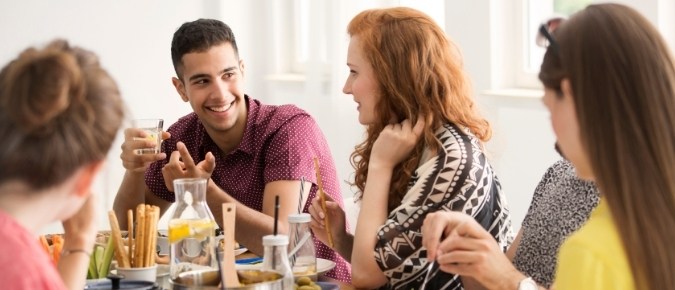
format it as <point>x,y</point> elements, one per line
<point>53,245</point>
<point>102,237</point>
<point>305,283</point>
<point>99,263</point>
<point>221,244</point>
<point>248,277</point>
<point>101,254</point>
<point>162,259</point>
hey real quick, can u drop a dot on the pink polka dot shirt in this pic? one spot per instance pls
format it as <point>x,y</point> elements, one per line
<point>279,143</point>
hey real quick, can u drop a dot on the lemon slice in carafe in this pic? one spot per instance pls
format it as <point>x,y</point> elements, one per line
<point>181,229</point>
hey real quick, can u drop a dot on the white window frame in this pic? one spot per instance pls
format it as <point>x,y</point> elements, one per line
<point>530,15</point>
<point>526,25</point>
<point>309,31</point>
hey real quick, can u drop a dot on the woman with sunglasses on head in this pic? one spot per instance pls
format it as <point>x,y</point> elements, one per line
<point>609,81</point>
<point>423,151</point>
<point>59,114</point>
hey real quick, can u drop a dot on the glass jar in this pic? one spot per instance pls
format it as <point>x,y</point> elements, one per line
<point>191,229</point>
<point>276,259</point>
<point>301,251</point>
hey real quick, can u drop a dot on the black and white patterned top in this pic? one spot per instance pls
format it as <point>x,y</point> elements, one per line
<point>458,178</point>
<point>561,204</point>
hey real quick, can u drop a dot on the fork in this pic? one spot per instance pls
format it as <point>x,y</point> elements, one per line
<point>426,278</point>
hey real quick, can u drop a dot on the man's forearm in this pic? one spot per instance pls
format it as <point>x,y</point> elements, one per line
<point>130,194</point>
<point>251,225</point>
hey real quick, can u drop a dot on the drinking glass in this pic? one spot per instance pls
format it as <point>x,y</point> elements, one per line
<point>153,128</point>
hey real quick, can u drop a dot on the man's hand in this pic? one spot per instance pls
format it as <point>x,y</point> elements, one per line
<point>132,161</point>
<point>181,165</point>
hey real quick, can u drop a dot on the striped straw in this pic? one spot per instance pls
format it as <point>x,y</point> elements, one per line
<point>302,190</point>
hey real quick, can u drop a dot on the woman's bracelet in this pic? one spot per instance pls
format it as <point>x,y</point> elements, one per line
<point>73,251</point>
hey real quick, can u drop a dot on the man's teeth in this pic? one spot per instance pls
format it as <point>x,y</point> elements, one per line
<point>221,108</point>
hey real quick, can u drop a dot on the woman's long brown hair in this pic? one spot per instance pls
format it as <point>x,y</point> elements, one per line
<point>419,72</point>
<point>623,82</point>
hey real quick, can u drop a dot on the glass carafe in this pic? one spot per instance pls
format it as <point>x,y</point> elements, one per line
<point>191,228</point>
<point>301,251</point>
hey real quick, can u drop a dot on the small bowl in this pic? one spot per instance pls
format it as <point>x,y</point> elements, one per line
<point>139,274</point>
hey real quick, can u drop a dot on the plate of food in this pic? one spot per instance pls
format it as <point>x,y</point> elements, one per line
<point>238,248</point>
<point>322,266</point>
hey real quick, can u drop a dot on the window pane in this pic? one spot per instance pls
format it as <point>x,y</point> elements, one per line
<point>310,30</point>
<point>568,7</point>
<point>301,30</point>
<point>537,12</point>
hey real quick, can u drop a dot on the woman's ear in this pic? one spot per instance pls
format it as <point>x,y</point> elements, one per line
<point>86,178</point>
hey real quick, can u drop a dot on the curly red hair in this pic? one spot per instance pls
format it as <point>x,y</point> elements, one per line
<point>419,73</point>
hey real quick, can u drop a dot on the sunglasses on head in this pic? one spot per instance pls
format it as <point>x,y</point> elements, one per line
<point>544,36</point>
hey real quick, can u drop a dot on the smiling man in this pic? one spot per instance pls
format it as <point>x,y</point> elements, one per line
<point>250,152</point>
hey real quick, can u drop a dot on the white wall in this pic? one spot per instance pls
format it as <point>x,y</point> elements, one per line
<point>133,38</point>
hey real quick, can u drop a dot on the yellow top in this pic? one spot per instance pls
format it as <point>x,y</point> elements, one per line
<point>594,257</point>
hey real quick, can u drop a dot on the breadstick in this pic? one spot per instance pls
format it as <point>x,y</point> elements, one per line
<point>140,235</point>
<point>153,234</point>
<point>130,239</point>
<point>149,251</point>
<point>116,235</point>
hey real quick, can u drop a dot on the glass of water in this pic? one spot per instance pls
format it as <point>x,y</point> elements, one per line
<point>153,129</point>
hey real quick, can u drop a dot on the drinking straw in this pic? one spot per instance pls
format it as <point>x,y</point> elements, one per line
<point>302,190</point>
<point>276,213</point>
<point>296,235</point>
<point>276,221</point>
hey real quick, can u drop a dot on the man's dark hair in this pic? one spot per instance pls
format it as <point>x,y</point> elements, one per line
<point>199,36</point>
